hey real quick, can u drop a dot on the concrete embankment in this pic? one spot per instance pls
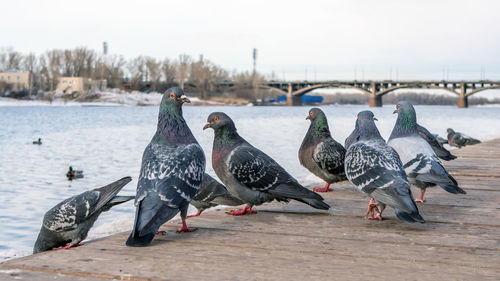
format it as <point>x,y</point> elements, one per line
<point>460,241</point>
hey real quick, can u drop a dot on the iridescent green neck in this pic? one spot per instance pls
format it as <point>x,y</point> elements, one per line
<point>406,125</point>
<point>319,127</point>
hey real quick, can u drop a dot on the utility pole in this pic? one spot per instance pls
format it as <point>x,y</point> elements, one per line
<point>105,52</point>
<point>254,78</point>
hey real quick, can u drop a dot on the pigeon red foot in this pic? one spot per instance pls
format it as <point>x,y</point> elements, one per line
<point>69,245</point>
<point>324,189</point>
<point>185,228</point>
<point>246,210</point>
<point>421,199</point>
<point>372,207</point>
<point>161,232</point>
<point>195,215</point>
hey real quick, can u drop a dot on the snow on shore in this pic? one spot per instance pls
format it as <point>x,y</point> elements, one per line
<point>107,98</point>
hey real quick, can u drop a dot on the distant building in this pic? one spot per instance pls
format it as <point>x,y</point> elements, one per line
<point>18,80</point>
<point>79,84</point>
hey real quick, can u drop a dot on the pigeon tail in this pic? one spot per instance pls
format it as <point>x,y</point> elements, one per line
<point>297,192</point>
<point>315,203</point>
<point>455,189</point>
<point>108,192</point>
<point>118,200</point>
<point>409,217</point>
<point>472,141</point>
<point>146,224</point>
<point>294,190</point>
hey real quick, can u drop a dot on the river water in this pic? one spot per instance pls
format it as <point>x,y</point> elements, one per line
<point>107,143</point>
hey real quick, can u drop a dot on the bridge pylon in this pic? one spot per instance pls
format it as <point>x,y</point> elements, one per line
<point>375,101</point>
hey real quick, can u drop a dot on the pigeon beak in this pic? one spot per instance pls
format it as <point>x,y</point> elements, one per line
<point>185,99</point>
<point>395,111</point>
<point>308,117</point>
<point>375,119</point>
<point>206,126</point>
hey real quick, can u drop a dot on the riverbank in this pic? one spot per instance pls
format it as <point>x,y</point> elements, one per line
<point>460,240</point>
<point>118,98</point>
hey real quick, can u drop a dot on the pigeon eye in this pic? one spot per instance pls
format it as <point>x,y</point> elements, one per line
<point>310,113</point>
<point>216,118</point>
<point>172,95</point>
<point>398,106</point>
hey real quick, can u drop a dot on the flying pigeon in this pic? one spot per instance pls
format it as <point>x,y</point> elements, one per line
<point>250,174</point>
<point>67,224</point>
<point>438,148</point>
<point>420,162</point>
<point>458,139</point>
<point>375,169</point>
<point>320,153</point>
<point>74,174</point>
<point>211,194</point>
<point>172,169</point>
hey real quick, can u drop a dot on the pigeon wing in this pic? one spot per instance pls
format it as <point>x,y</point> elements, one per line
<point>256,170</point>
<point>370,168</point>
<point>68,214</point>
<point>329,155</point>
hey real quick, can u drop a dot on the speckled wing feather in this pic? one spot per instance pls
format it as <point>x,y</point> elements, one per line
<point>372,166</point>
<point>175,173</point>
<point>376,169</point>
<point>329,155</point>
<point>254,169</point>
<point>75,210</point>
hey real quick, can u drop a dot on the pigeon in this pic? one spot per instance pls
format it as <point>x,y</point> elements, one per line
<point>68,223</point>
<point>420,162</point>
<point>438,148</point>
<point>211,194</point>
<point>458,139</point>
<point>376,170</point>
<point>320,153</point>
<point>171,173</point>
<point>39,141</point>
<point>250,174</point>
<point>74,174</point>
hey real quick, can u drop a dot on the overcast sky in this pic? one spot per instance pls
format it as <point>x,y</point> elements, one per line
<point>295,39</point>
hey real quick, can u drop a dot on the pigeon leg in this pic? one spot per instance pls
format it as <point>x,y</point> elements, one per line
<point>161,232</point>
<point>379,215</point>
<point>324,189</point>
<point>372,206</point>
<point>195,215</point>
<point>244,211</point>
<point>185,228</point>
<point>421,199</point>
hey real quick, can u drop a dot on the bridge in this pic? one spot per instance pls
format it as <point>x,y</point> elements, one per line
<point>376,89</point>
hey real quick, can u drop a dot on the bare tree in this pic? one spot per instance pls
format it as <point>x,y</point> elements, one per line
<point>68,64</point>
<point>52,61</point>
<point>154,72</point>
<point>10,60</point>
<point>137,72</point>
<point>30,65</point>
<point>169,70</point>
<point>83,61</point>
<point>114,66</point>
<point>183,69</point>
